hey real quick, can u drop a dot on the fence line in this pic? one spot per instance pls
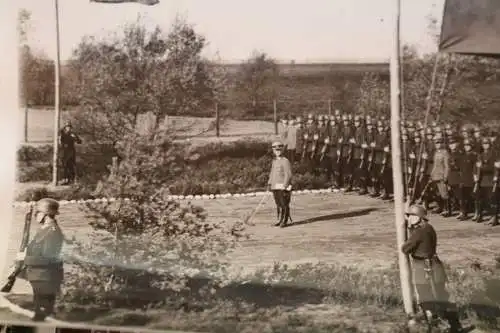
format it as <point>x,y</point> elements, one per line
<point>278,106</point>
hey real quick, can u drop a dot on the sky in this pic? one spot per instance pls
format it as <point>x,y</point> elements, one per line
<point>303,31</point>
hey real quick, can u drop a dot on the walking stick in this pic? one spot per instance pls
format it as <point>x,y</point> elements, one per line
<point>256,209</point>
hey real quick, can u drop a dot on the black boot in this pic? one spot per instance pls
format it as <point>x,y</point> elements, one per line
<point>278,217</point>
<point>439,208</point>
<point>284,217</point>
<point>453,321</point>
<point>447,208</point>
<point>478,212</point>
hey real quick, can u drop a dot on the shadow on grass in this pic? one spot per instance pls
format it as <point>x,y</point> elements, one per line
<point>335,216</point>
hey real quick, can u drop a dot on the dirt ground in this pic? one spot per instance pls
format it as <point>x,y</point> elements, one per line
<point>336,228</point>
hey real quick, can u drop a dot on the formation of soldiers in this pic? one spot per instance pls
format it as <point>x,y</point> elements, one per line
<point>456,168</point>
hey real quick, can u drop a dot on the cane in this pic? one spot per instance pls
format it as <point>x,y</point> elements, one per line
<point>252,215</point>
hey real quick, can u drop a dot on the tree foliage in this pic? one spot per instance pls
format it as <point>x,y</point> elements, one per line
<point>121,79</point>
<point>256,82</point>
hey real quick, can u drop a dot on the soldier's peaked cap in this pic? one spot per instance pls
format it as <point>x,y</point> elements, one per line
<point>277,144</point>
<point>485,141</point>
<point>467,143</point>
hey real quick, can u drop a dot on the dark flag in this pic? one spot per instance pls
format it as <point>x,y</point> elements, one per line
<point>471,27</point>
<point>142,2</point>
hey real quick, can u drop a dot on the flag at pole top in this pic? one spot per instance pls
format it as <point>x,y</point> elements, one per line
<point>471,27</point>
<point>142,2</point>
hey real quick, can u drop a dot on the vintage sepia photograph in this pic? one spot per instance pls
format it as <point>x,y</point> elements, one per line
<point>255,166</point>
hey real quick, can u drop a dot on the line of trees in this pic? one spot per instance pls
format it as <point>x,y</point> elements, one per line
<point>137,64</point>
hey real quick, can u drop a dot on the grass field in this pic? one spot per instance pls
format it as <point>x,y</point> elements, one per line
<point>348,231</point>
<point>41,127</point>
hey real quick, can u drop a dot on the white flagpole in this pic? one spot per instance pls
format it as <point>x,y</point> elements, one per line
<point>57,111</point>
<point>397,172</point>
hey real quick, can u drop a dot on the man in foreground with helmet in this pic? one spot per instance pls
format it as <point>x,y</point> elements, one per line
<point>43,265</point>
<point>428,271</point>
<point>279,183</point>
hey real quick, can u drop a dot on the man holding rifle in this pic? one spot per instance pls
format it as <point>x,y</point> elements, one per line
<point>429,275</point>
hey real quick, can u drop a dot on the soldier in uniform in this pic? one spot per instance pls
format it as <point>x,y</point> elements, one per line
<point>495,195</point>
<point>280,180</point>
<point>300,139</point>
<point>291,141</point>
<point>368,159</point>
<point>67,140</point>
<point>43,264</point>
<point>483,179</point>
<point>454,178</point>
<point>429,275</point>
<point>466,167</point>
<point>334,153</point>
<point>345,141</point>
<point>476,134</point>
<point>424,183</point>
<point>381,141</point>
<point>439,176</point>
<point>357,154</point>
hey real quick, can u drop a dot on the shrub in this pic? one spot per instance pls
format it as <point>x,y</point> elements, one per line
<point>143,248</point>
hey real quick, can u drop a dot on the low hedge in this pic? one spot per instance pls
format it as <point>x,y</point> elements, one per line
<point>216,168</point>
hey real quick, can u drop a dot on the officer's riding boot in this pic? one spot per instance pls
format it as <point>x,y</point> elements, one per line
<point>38,308</point>
<point>285,216</point>
<point>278,217</point>
<point>453,321</point>
<point>363,186</point>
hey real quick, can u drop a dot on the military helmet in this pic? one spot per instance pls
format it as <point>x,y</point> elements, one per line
<point>418,210</point>
<point>277,145</point>
<point>47,206</point>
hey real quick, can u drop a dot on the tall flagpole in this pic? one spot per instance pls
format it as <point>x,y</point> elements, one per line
<point>57,111</point>
<point>397,172</point>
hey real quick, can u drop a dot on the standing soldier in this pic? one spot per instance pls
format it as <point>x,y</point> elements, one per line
<point>300,138</point>
<point>483,179</point>
<point>357,153</point>
<point>429,275</point>
<point>439,175</point>
<point>378,148</point>
<point>495,195</point>
<point>476,134</point>
<point>67,140</point>
<point>280,180</point>
<point>454,179</point>
<point>426,168</point>
<point>334,152</point>
<point>291,141</point>
<point>44,267</point>
<point>345,150</point>
<point>466,166</point>
<point>386,168</point>
<point>367,159</point>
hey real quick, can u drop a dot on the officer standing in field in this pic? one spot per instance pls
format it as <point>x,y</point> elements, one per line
<point>429,276</point>
<point>280,183</point>
<point>67,140</point>
<point>43,264</point>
